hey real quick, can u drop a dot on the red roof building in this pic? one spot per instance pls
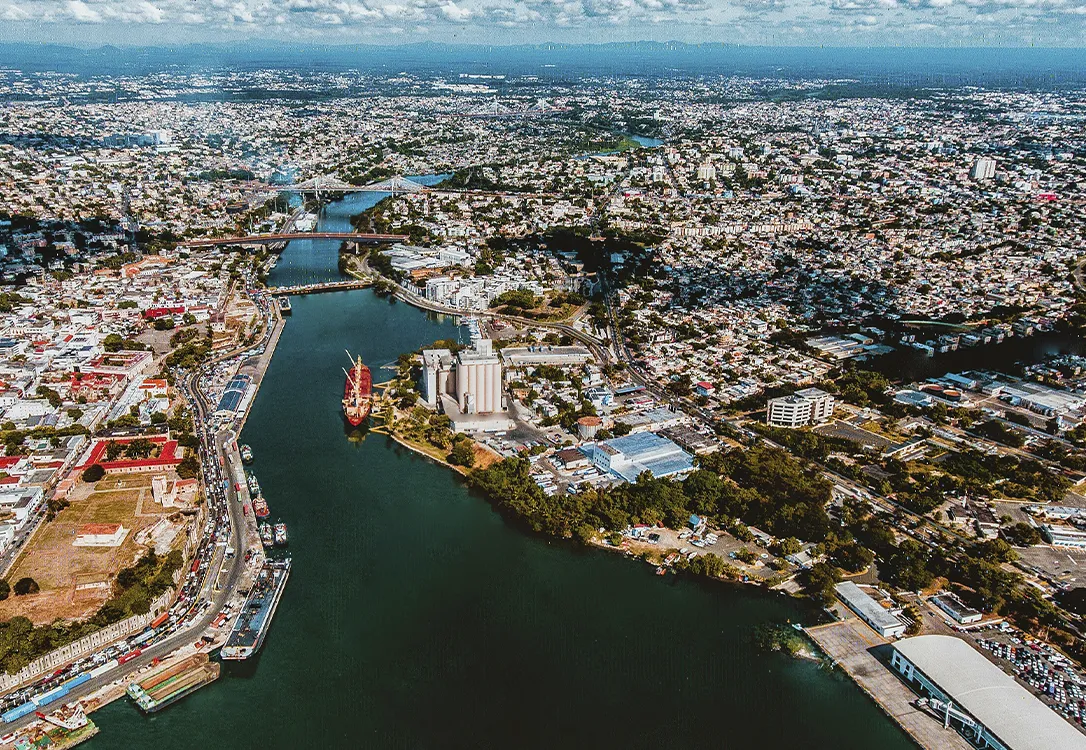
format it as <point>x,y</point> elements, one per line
<point>169,457</point>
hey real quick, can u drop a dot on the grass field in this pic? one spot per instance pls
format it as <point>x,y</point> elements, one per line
<point>75,581</point>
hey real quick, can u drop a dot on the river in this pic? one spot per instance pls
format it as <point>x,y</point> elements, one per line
<point>416,617</point>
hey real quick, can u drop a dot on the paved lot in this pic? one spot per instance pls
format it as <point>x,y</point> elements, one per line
<point>854,646</point>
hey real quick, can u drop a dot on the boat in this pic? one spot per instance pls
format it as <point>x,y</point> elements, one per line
<point>267,537</point>
<point>284,305</point>
<point>171,684</point>
<point>251,627</point>
<point>357,397</point>
<point>254,486</point>
<point>260,507</point>
<point>246,454</point>
<point>661,570</point>
<point>280,532</point>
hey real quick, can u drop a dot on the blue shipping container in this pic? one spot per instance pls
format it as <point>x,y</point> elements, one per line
<point>77,680</point>
<point>17,713</point>
<point>49,697</point>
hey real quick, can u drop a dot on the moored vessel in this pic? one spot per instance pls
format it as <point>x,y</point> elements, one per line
<point>280,532</point>
<point>284,305</point>
<point>357,393</point>
<point>251,627</point>
<point>246,454</point>
<point>267,537</point>
<point>260,507</point>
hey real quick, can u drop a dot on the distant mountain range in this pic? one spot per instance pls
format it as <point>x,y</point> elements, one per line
<point>887,65</point>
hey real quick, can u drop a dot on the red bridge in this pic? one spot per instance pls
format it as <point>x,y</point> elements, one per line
<point>271,239</point>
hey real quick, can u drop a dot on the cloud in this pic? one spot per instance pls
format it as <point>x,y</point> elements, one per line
<point>507,21</point>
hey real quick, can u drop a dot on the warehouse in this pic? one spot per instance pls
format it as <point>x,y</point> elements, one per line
<point>628,456</point>
<point>987,706</point>
<point>882,621</point>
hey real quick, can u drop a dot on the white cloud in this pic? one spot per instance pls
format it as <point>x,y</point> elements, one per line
<point>509,21</point>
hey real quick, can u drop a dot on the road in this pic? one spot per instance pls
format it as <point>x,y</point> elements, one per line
<point>224,576</point>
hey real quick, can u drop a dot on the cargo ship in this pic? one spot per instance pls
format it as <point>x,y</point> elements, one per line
<point>267,536</point>
<point>260,507</point>
<point>357,400</point>
<point>171,684</point>
<point>280,531</point>
<point>246,454</point>
<point>251,627</point>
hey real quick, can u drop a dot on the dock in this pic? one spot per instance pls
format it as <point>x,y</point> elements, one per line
<point>860,651</point>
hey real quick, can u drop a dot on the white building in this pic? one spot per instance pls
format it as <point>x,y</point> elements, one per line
<point>978,699</point>
<point>100,535</point>
<point>983,168</point>
<point>882,621</point>
<point>808,406</point>
<point>479,379</point>
<point>437,372</point>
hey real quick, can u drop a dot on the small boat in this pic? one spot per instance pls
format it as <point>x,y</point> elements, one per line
<point>661,570</point>
<point>280,534</point>
<point>267,537</point>
<point>254,486</point>
<point>246,454</point>
<point>260,507</point>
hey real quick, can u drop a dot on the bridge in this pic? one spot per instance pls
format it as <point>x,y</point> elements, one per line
<point>324,286</point>
<point>332,184</point>
<point>273,239</point>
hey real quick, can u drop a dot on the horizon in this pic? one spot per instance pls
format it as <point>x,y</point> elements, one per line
<point>982,24</point>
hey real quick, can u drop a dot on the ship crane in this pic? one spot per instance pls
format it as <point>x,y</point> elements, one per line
<point>77,720</point>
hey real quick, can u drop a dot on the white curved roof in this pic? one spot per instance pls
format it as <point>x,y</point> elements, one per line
<point>1007,709</point>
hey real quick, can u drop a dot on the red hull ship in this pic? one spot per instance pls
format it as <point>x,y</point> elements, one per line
<point>356,393</point>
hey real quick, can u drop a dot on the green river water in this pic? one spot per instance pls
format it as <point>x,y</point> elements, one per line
<point>416,617</point>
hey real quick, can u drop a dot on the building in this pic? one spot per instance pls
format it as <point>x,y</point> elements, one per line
<point>558,356</point>
<point>235,397</point>
<point>804,407</point>
<point>983,168</point>
<point>628,456</point>
<point>479,379</point>
<point>437,371</point>
<point>20,503</point>
<point>978,699</point>
<point>100,535</point>
<point>958,610</point>
<point>587,427</point>
<point>882,621</point>
<point>1064,536</point>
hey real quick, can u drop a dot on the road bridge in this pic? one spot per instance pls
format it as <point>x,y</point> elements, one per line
<point>273,239</point>
<point>326,286</point>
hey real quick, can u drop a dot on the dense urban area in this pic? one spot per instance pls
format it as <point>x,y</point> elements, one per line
<point>799,334</point>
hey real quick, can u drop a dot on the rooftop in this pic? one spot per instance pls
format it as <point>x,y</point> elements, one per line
<point>1006,708</point>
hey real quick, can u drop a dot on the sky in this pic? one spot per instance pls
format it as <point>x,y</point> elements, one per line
<point>937,23</point>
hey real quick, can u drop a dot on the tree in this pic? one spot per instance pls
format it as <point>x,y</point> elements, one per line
<point>462,453</point>
<point>5,590</point>
<point>819,581</point>
<point>93,473</point>
<point>189,468</point>
<point>1022,535</point>
<point>25,586</point>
